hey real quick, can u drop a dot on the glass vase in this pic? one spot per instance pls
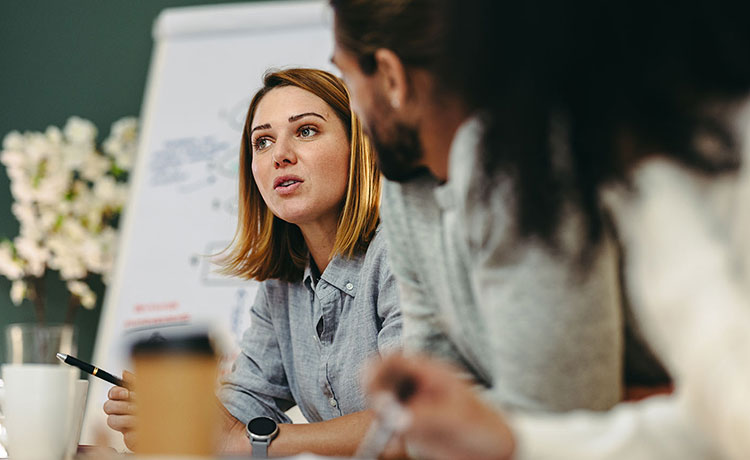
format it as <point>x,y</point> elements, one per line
<point>39,343</point>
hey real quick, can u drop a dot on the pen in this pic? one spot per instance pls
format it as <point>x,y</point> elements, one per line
<point>95,371</point>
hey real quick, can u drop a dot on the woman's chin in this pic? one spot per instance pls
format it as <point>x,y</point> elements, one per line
<point>294,217</point>
<point>307,213</point>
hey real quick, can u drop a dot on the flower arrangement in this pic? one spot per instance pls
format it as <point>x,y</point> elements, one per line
<point>68,196</point>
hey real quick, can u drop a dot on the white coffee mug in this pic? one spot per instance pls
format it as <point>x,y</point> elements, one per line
<point>37,405</point>
<point>3,438</point>
<point>76,417</point>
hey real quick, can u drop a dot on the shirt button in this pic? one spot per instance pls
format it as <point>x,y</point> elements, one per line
<point>333,402</point>
<point>349,286</point>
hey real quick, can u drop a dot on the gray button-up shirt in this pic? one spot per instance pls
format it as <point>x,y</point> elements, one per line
<point>307,340</point>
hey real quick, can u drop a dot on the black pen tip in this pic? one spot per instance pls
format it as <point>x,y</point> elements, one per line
<point>61,357</point>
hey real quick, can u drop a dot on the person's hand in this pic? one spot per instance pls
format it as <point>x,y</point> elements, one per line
<point>447,418</point>
<point>120,410</point>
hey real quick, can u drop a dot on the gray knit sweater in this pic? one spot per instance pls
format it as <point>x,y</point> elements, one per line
<point>541,333</point>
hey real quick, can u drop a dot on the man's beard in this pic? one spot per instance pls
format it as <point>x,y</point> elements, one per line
<point>399,156</point>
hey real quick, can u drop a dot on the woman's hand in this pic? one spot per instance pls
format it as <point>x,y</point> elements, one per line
<point>448,420</point>
<point>120,410</point>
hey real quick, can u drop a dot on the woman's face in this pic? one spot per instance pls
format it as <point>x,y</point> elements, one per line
<point>300,157</point>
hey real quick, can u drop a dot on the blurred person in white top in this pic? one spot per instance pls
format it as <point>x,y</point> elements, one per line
<point>638,113</point>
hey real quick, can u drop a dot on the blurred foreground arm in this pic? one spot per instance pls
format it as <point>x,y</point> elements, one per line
<point>448,419</point>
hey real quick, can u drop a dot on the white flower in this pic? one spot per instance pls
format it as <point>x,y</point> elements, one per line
<point>73,230</point>
<point>13,141</point>
<point>48,217</point>
<point>66,256</point>
<point>57,164</point>
<point>122,142</point>
<point>33,232</point>
<point>65,197</point>
<point>80,131</point>
<point>63,207</point>
<point>37,148</point>
<point>123,193</point>
<point>91,254</point>
<point>31,224</point>
<point>13,158</point>
<point>17,292</point>
<point>89,300</point>
<point>10,267</point>
<point>96,257</point>
<point>95,166</point>
<point>93,218</point>
<point>125,129</point>
<point>82,199</point>
<point>83,292</point>
<point>20,173</point>
<point>74,155</point>
<point>105,191</point>
<point>24,212</point>
<point>35,255</point>
<point>54,135</point>
<point>22,190</point>
<point>98,252</point>
<point>53,188</point>
<point>68,264</point>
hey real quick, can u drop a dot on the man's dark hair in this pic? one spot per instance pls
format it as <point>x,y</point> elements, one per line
<point>413,29</point>
<point>575,93</point>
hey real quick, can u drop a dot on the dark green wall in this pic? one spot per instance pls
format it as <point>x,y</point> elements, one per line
<point>84,57</point>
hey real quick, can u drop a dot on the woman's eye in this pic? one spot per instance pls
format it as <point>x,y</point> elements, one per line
<point>261,143</point>
<point>307,131</point>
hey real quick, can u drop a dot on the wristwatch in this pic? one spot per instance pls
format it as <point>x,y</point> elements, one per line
<point>261,431</point>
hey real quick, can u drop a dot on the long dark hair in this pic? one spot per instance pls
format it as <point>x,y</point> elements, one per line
<point>576,93</point>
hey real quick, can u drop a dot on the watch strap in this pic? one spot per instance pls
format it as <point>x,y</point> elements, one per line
<point>260,448</point>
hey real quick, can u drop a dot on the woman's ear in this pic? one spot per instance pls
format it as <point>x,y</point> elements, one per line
<point>393,77</point>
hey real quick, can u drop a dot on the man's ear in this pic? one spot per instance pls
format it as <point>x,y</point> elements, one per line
<point>393,77</point>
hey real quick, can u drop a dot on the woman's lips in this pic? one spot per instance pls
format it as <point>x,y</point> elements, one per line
<point>292,186</point>
<point>285,179</point>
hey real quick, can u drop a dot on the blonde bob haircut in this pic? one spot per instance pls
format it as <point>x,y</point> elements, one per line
<point>265,246</point>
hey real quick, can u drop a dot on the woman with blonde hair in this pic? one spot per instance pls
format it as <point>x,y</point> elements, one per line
<point>308,231</point>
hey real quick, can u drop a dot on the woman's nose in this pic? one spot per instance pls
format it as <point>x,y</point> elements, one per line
<point>283,154</point>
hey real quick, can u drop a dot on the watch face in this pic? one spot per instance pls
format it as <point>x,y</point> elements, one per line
<point>261,426</point>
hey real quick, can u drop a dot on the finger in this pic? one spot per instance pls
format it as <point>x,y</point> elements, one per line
<point>130,438</point>
<point>118,393</point>
<point>121,423</point>
<point>396,448</point>
<point>128,376</point>
<point>112,407</point>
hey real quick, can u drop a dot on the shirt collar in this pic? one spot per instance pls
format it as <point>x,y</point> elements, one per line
<point>310,274</point>
<point>341,273</point>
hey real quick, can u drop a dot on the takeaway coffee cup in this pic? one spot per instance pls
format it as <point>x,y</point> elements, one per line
<point>177,412</point>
